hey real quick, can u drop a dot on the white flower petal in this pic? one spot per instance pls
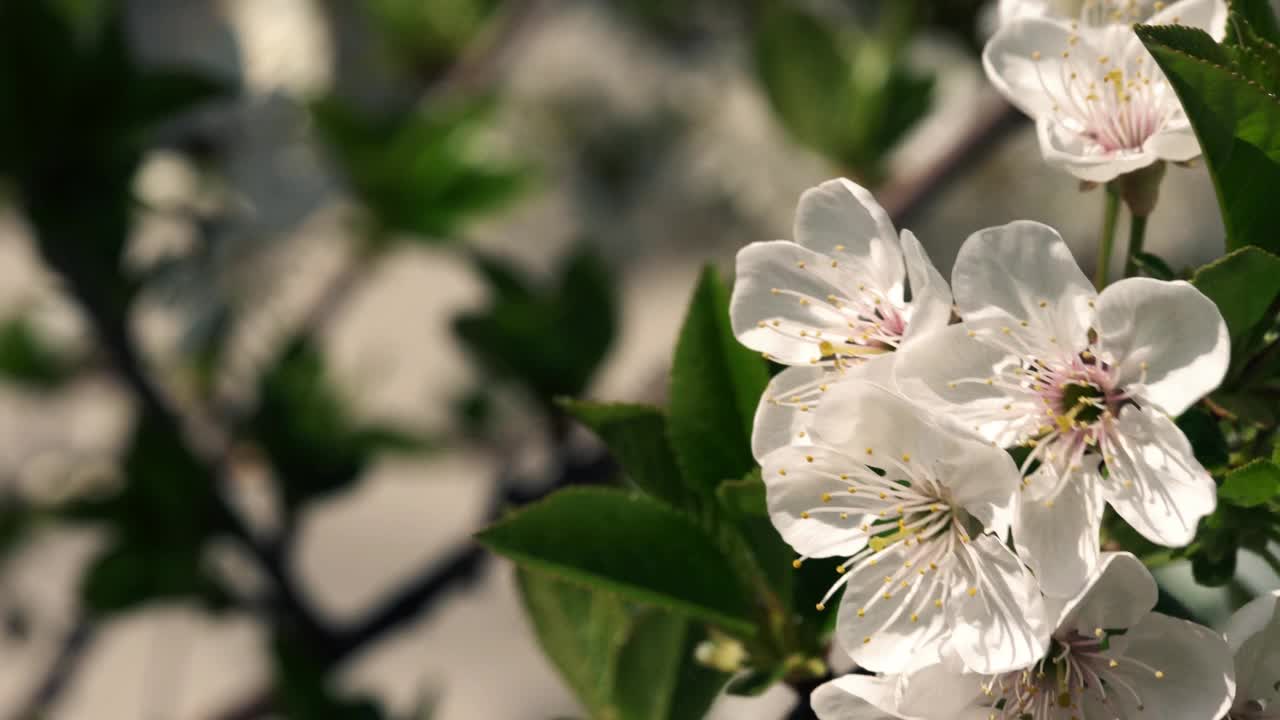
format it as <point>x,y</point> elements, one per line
<point>1177,143</point>
<point>856,697</point>
<point>930,295</point>
<point>1058,537</point>
<point>1256,616</point>
<point>790,402</point>
<point>1254,636</point>
<point>841,219</point>
<point>868,421</point>
<point>795,486</point>
<point>1117,595</point>
<point>1011,10</point>
<point>782,290</point>
<point>1165,336</point>
<point>863,418</point>
<point>986,478</point>
<point>779,419</point>
<point>1023,272</point>
<point>1070,151</point>
<point>941,690</point>
<point>1155,482</point>
<point>1000,623</point>
<point>1195,678</point>
<point>889,619</point>
<point>927,372</point>
<point>1208,15</point>
<point>1029,83</point>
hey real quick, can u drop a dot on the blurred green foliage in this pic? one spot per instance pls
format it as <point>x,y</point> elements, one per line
<point>848,93</point>
<point>1229,92</point>
<point>28,359</point>
<point>429,37</point>
<point>549,340</point>
<point>306,428</point>
<point>417,172</point>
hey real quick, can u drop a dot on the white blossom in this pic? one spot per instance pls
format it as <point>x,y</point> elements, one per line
<point>1084,12</point>
<point>1101,105</point>
<point>1087,382</point>
<point>1110,658</point>
<point>918,510</point>
<point>830,302</point>
<point>1254,637</point>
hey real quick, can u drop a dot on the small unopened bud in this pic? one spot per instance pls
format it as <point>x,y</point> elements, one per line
<point>721,653</point>
<point>1141,188</point>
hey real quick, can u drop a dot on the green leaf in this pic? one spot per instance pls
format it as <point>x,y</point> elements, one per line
<point>849,95</point>
<point>1154,266</point>
<point>637,437</point>
<point>745,497</point>
<point>417,172</point>
<point>1214,568</point>
<point>308,431</point>
<point>624,663</point>
<point>1245,285</point>
<point>1258,15</point>
<point>1237,123</point>
<point>649,665</point>
<point>630,544</point>
<point>581,631</point>
<point>304,687</point>
<point>716,384</point>
<point>552,340</point>
<point>1205,434</point>
<point>26,359</point>
<point>1252,485</point>
<point>160,518</point>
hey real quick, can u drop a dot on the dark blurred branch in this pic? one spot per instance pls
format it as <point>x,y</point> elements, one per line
<point>59,674</point>
<point>462,566</point>
<point>478,65</point>
<point>905,199</point>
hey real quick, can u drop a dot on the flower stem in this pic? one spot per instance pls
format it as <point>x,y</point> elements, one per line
<point>1109,218</point>
<point>1137,232</point>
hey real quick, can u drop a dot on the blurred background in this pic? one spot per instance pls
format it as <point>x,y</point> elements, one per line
<point>287,288</point>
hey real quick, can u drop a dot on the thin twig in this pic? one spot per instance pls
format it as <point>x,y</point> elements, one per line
<point>59,673</point>
<point>906,199</point>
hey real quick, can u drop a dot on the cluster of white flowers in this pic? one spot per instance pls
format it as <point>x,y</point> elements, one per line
<point>974,585</point>
<point>1101,106</point>
<point>884,444</point>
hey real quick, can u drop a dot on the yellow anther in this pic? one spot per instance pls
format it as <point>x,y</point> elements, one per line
<point>1159,674</point>
<point>973,592</point>
<point>804,515</point>
<point>797,563</point>
<point>862,612</point>
<point>914,617</point>
<point>839,569</point>
<point>808,458</point>
<point>820,607</point>
<point>1098,632</point>
<point>906,457</point>
<point>826,497</point>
